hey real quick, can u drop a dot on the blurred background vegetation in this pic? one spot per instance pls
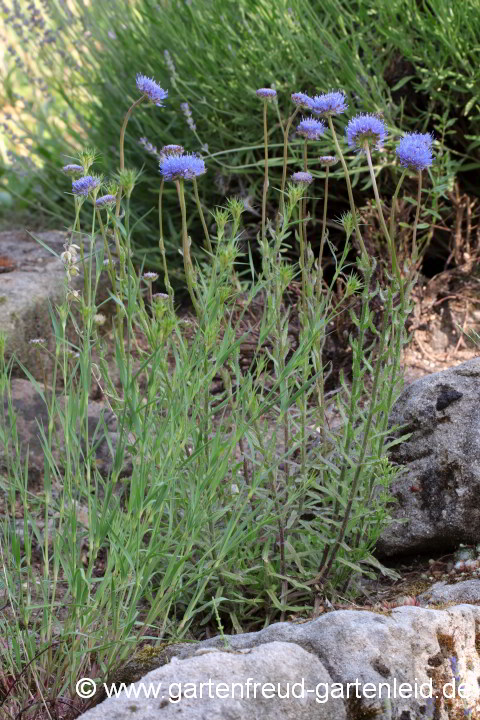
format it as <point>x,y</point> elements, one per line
<point>68,78</point>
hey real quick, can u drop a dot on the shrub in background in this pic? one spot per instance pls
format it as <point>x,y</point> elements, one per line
<point>209,56</point>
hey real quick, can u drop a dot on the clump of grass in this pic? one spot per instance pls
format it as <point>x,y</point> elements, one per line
<point>241,508</point>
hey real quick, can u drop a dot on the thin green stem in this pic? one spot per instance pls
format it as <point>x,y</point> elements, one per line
<point>265,180</point>
<point>417,217</point>
<point>161,245</point>
<point>349,186</point>
<point>187,261</point>
<point>285,160</point>
<point>208,244</point>
<point>122,147</point>
<point>323,238</point>
<point>394,206</point>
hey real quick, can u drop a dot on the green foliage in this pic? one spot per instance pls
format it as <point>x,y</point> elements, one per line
<point>403,58</point>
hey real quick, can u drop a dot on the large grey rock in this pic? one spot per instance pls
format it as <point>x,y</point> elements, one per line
<point>225,675</point>
<point>439,493</point>
<point>31,277</point>
<point>31,414</point>
<point>413,645</point>
<point>443,593</point>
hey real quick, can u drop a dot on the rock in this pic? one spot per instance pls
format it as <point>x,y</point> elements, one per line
<point>225,675</point>
<point>413,645</point>
<point>30,411</point>
<point>32,278</point>
<point>438,495</point>
<point>443,593</point>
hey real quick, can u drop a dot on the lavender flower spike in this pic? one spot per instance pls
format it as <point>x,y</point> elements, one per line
<point>311,128</point>
<point>365,129</point>
<point>151,89</point>
<point>186,167</point>
<point>332,103</point>
<point>266,93</point>
<point>105,200</point>
<point>302,177</point>
<point>414,151</point>
<point>73,170</point>
<point>84,185</point>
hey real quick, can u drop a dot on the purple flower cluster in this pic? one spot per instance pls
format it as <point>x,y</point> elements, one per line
<point>415,151</point>
<point>311,128</point>
<point>365,129</point>
<point>84,185</point>
<point>266,93</point>
<point>302,177</point>
<point>332,103</point>
<point>73,170</point>
<point>302,100</point>
<point>173,150</point>
<point>151,89</point>
<point>105,200</point>
<point>186,167</point>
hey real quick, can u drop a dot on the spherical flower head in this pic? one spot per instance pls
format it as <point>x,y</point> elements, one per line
<point>365,129</point>
<point>328,160</point>
<point>266,93</point>
<point>149,87</point>
<point>184,167</point>
<point>173,150</point>
<point>332,103</point>
<point>311,128</point>
<point>414,151</point>
<point>105,200</point>
<point>84,185</point>
<point>302,100</point>
<point>74,170</point>
<point>302,177</point>
<point>150,276</point>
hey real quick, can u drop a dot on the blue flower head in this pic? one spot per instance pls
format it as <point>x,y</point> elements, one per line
<point>73,170</point>
<point>173,150</point>
<point>302,100</point>
<point>415,151</point>
<point>186,167</point>
<point>332,103</point>
<point>328,160</point>
<point>105,200</point>
<point>311,128</point>
<point>84,185</point>
<point>302,177</point>
<point>149,87</point>
<point>365,129</point>
<point>266,93</point>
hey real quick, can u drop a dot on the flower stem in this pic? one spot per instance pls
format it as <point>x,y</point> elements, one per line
<point>122,144</point>
<point>161,245</point>
<point>394,203</point>
<point>417,217</point>
<point>324,232</point>
<point>391,247</point>
<point>187,261</point>
<point>285,159</point>
<point>265,181</point>
<point>202,218</point>
<point>349,186</point>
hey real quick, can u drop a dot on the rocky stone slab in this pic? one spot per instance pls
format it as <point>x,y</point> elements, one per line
<point>31,278</point>
<point>438,495</point>
<point>411,654</point>
<point>443,593</point>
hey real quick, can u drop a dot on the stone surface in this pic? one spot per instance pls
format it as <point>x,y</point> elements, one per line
<point>277,663</point>
<point>412,645</point>
<point>443,593</point>
<point>32,278</point>
<point>439,493</point>
<point>31,413</point>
